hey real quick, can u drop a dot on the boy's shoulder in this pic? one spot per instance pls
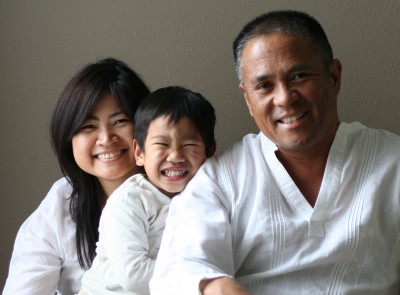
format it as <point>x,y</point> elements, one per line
<point>137,188</point>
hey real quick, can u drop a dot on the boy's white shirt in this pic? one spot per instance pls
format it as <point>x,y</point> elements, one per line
<point>130,231</point>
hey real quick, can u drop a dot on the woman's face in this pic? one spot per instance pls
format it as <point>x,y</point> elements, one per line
<point>104,145</point>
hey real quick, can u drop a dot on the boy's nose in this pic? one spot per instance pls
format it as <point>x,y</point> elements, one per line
<point>176,156</point>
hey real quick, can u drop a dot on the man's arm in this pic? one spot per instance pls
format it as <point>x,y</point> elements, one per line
<point>221,286</point>
<point>197,240</point>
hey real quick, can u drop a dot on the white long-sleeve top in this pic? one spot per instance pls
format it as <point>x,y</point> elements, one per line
<point>243,216</point>
<point>44,258</point>
<point>130,231</point>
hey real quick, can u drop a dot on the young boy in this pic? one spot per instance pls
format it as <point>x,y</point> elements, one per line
<point>174,134</point>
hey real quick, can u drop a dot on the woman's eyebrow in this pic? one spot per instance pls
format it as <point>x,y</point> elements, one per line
<point>92,117</point>
<point>115,114</point>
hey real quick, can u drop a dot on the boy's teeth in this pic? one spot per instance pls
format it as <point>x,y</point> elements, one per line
<point>291,119</point>
<point>109,156</point>
<point>174,173</point>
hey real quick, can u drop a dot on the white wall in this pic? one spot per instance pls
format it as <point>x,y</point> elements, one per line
<point>43,42</point>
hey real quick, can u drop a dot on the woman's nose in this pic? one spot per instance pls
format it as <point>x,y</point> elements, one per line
<point>106,136</point>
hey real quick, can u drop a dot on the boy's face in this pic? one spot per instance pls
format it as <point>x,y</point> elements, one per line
<point>173,154</point>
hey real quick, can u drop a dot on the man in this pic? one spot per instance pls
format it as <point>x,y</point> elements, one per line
<point>310,205</point>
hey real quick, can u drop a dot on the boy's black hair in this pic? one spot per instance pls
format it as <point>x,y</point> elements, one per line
<point>177,102</point>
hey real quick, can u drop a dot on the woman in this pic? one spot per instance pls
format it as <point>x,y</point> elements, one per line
<point>92,135</point>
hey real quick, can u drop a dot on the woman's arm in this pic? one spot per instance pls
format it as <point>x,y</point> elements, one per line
<point>45,243</point>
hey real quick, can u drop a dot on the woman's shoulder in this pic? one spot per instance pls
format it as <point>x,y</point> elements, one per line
<point>55,205</point>
<point>61,187</point>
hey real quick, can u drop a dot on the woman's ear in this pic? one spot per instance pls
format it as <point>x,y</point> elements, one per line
<point>139,155</point>
<point>214,148</point>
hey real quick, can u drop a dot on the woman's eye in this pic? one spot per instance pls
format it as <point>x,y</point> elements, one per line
<point>87,126</point>
<point>121,121</point>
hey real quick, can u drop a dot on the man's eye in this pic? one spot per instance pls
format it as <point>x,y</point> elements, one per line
<point>264,86</point>
<point>298,76</point>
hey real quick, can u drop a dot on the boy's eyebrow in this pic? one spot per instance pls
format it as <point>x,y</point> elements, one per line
<point>193,137</point>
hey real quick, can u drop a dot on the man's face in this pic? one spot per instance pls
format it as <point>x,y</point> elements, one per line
<point>290,92</point>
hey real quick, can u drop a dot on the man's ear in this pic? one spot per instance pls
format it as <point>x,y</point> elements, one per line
<point>243,91</point>
<point>336,74</point>
<point>139,156</point>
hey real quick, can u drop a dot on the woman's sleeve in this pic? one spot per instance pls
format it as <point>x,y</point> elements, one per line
<point>35,263</point>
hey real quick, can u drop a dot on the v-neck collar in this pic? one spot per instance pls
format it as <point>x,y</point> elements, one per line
<point>329,186</point>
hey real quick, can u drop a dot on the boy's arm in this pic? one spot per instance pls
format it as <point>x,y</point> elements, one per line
<point>125,240</point>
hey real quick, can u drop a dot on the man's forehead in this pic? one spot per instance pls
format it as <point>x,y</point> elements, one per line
<point>273,42</point>
<point>269,50</point>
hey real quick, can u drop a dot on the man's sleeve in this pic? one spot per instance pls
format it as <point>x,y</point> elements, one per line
<point>197,241</point>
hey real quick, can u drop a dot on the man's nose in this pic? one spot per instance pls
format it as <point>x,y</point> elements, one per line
<point>284,95</point>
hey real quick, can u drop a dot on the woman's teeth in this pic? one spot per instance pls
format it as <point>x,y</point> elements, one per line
<point>109,155</point>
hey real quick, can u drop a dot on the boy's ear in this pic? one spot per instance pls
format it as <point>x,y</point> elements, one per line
<point>138,153</point>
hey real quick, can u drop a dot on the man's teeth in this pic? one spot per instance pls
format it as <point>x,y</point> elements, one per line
<point>109,155</point>
<point>292,118</point>
<point>174,173</point>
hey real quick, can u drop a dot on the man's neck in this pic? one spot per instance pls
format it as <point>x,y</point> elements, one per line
<point>307,170</point>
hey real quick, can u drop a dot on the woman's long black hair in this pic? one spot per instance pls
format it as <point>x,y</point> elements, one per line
<point>92,82</point>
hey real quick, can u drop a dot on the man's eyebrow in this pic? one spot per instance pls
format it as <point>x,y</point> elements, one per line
<point>261,78</point>
<point>299,67</point>
<point>295,68</point>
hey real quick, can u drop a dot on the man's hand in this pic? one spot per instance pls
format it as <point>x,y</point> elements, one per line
<point>222,286</point>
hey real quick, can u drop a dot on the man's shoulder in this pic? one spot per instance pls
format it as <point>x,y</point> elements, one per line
<point>250,141</point>
<point>358,131</point>
<point>378,144</point>
<point>240,155</point>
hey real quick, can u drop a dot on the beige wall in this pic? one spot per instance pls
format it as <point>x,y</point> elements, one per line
<point>43,42</point>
